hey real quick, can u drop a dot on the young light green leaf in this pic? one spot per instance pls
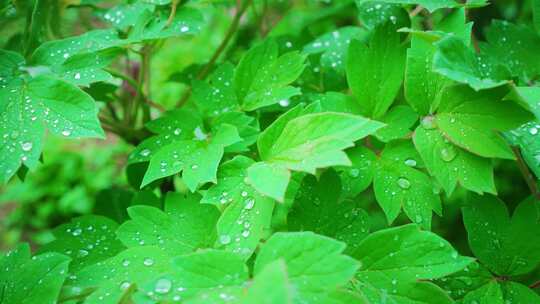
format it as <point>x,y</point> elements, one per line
<point>315,264</point>
<point>375,71</point>
<point>25,280</point>
<point>185,225</point>
<point>271,285</point>
<point>506,246</point>
<point>309,142</point>
<point>87,240</point>
<point>398,184</point>
<point>318,210</point>
<point>247,213</point>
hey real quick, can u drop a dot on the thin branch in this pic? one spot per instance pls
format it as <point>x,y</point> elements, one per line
<point>416,11</point>
<point>535,285</point>
<point>174,6</point>
<point>527,175</point>
<point>230,33</point>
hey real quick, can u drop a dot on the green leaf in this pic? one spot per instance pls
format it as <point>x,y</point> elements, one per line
<point>501,292</point>
<point>217,95</point>
<point>247,214</point>
<point>398,184</point>
<point>404,292</point>
<point>318,210</point>
<point>431,5</point>
<point>182,146</point>
<point>470,119</point>
<point>314,141</point>
<point>536,14</point>
<point>261,78</point>
<point>111,278</point>
<point>452,165</point>
<point>198,275</point>
<point>32,106</point>
<point>398,122</point>
<point>334,46</point>
<point>357,177</point>
<point>87,240</point>
<point>376,13</point>
<point>271,285</point>
<point>375,70</point>
<point>315,264</point>
<point>308,142</point>
<point>453,59</point>
<point>185,226</point>
<point>506,246</point>
<point>56,52</point>
<point>514,47</point>
<point>394,259</point>
<point>422,84</point>
<point>526,136</point>
<point>25,280</point>
<point>269,179</point>
<point>409,254</point>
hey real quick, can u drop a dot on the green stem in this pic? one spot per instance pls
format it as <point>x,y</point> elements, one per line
<point>527,175</point>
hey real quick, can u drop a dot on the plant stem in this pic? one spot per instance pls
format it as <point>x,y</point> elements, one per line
<point>535,285</point>
<point>230,33</point>
<point>527,175</point>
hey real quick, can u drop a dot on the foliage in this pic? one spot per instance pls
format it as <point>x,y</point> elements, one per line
<point>270,151</point>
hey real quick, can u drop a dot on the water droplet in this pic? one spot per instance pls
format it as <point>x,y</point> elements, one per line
<point>163,286</point>
<point>148,262</point>
<point>448,153</point>
<point>125,263</point>
<point>250,202</point>
<point>354,173</point>
<point>27,146</point>
<point>77,232</point>
<point>533,131</point>
<point>66,132</point>
<point>124,285</point>
<point>284,102</point>
<point>145,152</point>
<point>78,76</point>
<point>177,131</point>
<point>244,193</point>
<point>225,239</point>
<point>194,167</point>
<point>184,29</point>
<point>403,183</point>
<point>410,162</point>
<point>428,123</point>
